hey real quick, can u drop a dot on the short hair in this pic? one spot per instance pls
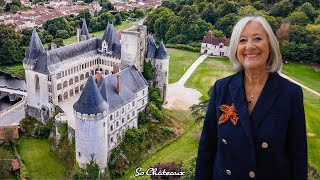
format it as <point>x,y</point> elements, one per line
<point>274,60</point>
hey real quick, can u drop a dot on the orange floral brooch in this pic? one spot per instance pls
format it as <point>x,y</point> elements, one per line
<point>229,112</point>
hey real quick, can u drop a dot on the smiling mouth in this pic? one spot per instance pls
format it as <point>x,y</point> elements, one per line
<point>251,55</point>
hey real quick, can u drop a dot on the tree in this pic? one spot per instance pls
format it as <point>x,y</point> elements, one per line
<point>84,14</point>
<point>54,25</point>
<point>209,14</point>
<point>226,23</point>
<point>94,25</point>
<point>8,52</point>
<point>105,18</point>
<point>58,42</point>
<point>62,34</point>
<point>138,13</point>
<point>309,10</point>
<point>247,10</point>
<point>298,18</point>
<point>92,169</point>
<point>142,118</point>
<point>281,8</point>
<point>147,70</point>
<point>283,32</point>
<point>227,7</point>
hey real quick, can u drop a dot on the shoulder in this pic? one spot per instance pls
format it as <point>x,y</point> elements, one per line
<point>289,87</point>
<point>224,82</point>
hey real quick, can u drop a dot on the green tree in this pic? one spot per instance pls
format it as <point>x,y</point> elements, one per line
<point>153,16</point>
<point>62,34</point>
<point>309,10</point>
<point>9,53</point>
<point>60,23</point>
<point>92,169</point>
<point>147,70</point>
<point>248,10</point>
<point>84,14</point>
<point>209,14</point>
<point>227,7</point>
<point>48,38</point>
<point>58,42</point>
<point>281,8</point>
<point>94,25</point>
<point>138,13</point>
<point>142,118</point>
<point>298,18</point>
<point>227,23</point>
<point>105,18</point>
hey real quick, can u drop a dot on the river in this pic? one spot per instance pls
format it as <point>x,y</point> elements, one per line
<point>7,81</point>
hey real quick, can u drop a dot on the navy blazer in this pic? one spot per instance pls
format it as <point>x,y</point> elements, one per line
<point>268,145</point>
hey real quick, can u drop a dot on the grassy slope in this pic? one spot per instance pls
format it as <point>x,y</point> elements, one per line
<point>303,73</point>
<point>16,70</point>
<point>180,61</point>
<point>40,164</point>
<point>207,73</point>
<point>181,149</point>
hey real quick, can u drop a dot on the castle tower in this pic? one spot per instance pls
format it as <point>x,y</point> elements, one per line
<point>109,38</point>
<point>161,70</point>
<point>35,63</point>
<point>91,121</point>
<point>151,48</point>
<point>133,47</point>
<point>83,33</point>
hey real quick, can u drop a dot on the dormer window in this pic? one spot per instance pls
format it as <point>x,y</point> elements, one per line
<point>104,46</point>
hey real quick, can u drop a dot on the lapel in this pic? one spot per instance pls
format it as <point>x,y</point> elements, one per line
<point>237,92</point>
<point>268,96</point>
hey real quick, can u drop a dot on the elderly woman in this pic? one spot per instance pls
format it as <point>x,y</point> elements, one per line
<point>255,123</point>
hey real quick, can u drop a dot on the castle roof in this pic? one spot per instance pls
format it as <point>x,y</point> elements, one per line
<point>91,101</point>
<point>84,29</point>
<point>132,81</point>
<point>151,47</point>
<point>110,36</point>
<point>34,50</point>
<point>116,49</point>
<point>210,39</point>
<point>161,52</point>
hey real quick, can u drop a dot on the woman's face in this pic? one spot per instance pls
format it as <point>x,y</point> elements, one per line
<point>253,47</point>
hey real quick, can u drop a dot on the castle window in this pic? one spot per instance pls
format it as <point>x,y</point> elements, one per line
<point>68,71</point>
<point>50,88</point>
<point>71,70</point>
<point>122,120</point>
<point>65,84</point>
<point>143,92</point>
<point>81,77</point>
<point>117,113</point>
<point>111,118</point>
<point>104,124</point>
<point>128,116</point>
<point>133,113</point>
<point>37,82</point>
<point>70,81</point>
<point>79,154</point>
<point>142,101</point>
<point>132,103</point>
<point>128,106</point>
<point>58,75</point>
<point>87,74</point>
<point>117,124</point>
<point>122,110</point>
<point>111,128</point>
<point>76,79</point>
<point>111,140</point>
<point>62,73</point>
<point>50,99</point>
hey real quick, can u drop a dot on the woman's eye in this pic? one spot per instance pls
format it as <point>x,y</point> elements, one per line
<point>258,39</point>
<point>242,40</point>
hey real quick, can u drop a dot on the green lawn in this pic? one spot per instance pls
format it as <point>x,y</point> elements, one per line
<point>16,70</point>
<point>185,147</point>
<point>303,73</point>
<point>40,164</point>
<point>312,106</point>
<point>180,61</point>
<point>123,25</point>
<point>207,73</point>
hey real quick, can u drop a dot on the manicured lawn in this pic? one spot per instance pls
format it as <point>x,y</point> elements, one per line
<point>123,25</point>
<point>303,73</point>
<point>180,61</point>
<point>182,149</point>
<point>40,164</point>
<point>312,106</point>
<point>207,73</point>
<point>16,70</point>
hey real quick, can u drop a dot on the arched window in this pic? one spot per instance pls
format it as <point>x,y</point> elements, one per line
<point>77,90</point>
<point>81,87</point>
<point>59,86</point>
<point>60,98</point>
<point>70,81</point>
<point>65,96</point>
<point>81,77</point>
<point>87,74</point>
<point>76,79</point>
<point>37,82</point>
<point>65,84</point>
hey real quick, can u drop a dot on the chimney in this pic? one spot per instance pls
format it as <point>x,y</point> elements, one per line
<point>118,85</point>
<point>115,69</point>
<point>98,76</point>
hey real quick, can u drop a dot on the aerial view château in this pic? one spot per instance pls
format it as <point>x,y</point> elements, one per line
<point>96,84</point>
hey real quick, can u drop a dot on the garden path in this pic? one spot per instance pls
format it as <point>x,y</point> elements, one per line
<point>180,97</point>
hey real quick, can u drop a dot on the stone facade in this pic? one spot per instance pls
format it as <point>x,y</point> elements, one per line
<point>55,78</point>
<point>214,46</point>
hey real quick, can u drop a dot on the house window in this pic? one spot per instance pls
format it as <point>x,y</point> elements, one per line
<point>221,46</point>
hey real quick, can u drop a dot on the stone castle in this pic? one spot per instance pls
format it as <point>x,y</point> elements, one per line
<point>95,85</point>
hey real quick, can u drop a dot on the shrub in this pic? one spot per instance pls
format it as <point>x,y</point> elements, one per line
<point>170,166</point>
<point>42,131</point>
<point>28,124</point>
<point>189,168</point>
<point>142,118</point>
<point>152,110</point>
<point>184,47</point>
<point>147,70</point>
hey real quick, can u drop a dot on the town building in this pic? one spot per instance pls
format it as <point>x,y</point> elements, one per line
<point>214,46</point>
<point>95,85</point>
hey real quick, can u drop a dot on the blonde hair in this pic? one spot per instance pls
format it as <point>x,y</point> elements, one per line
<point>274,60</point>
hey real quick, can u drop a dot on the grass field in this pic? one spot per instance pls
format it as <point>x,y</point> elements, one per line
<point>180,61</point>
<point>207,73</point>
<point>303,73</point>
<point>15,70</point>
<point>123,25</point>
<point>182,149</point>
<point>40,164</point>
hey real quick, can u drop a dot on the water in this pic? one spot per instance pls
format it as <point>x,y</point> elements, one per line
<point>6,81</point>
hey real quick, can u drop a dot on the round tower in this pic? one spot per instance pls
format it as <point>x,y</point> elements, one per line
<point>91,121</point>
<point>161,67</point>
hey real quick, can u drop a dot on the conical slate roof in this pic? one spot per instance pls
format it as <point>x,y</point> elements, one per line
<point>91,101</point>
<point>161,52</point>
<point>34,50</point>
<point>84,29</point>
<point>110,36</point>
<point>151,47</point>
